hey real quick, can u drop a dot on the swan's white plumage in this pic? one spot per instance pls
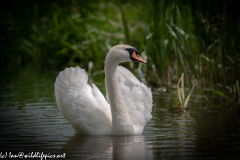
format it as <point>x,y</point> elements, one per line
<point>88,111</point>
<point>82,105</point>
<point>137,98</point>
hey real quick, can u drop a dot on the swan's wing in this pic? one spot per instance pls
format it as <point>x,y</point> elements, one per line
<point>137,98</point>
<point>82,105</point>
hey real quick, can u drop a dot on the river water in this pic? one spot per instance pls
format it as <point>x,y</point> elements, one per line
<point>30,123</point>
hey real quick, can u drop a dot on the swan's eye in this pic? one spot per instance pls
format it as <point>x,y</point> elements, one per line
<point>131,50</point>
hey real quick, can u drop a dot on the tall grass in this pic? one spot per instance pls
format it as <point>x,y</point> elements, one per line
<point>176,44</point>
<point>171,49</point>
<point>217,23</point>
<point>175,37</point>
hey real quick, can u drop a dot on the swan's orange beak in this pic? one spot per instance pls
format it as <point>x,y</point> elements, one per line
<point>136,57</point>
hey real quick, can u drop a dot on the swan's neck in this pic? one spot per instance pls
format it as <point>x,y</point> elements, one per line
<point>121,122</point>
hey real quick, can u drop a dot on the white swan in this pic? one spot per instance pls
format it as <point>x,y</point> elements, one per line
<point>84,106</point>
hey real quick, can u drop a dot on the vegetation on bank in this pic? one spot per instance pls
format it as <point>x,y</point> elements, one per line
<point>199,38</point>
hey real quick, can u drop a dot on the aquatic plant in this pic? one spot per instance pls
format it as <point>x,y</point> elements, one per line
<point>181,105</point>
<point>181,93</point>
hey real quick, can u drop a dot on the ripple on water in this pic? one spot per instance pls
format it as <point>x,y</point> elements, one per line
<point>32,122</point>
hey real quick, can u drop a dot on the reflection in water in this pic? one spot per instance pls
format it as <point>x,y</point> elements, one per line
<point>108,147</point>
<point>31,122</point>
<point>174,135</point>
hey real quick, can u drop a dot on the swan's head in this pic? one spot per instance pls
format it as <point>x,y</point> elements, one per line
<point>124,53</point>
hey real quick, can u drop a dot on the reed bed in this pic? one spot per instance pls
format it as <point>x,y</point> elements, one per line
<point>175,37</point>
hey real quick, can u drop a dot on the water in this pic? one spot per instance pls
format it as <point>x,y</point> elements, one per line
<point>30,122</point>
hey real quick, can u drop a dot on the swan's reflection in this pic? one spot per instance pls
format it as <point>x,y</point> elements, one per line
<point>108,147</point>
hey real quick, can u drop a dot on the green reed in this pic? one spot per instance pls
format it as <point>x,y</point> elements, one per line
<point>171,49</point>
<point>175,37</point>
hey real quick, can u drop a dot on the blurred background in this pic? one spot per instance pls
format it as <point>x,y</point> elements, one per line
<point>199,38</point>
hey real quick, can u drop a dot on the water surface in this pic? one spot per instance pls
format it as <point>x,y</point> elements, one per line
<point>31,122</point>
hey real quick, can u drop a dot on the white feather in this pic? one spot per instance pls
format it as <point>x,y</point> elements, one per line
<point>137,98</point>
<point>82,105</point>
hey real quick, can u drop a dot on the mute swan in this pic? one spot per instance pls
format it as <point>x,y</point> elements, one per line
<point>129,104</point>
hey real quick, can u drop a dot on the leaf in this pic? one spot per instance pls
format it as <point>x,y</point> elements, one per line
<point>238,89</point>
<point>182,87</point>
<point>180,90</point>
<point>217,92</point>
<point>188,97</point>
<point>149,36</point>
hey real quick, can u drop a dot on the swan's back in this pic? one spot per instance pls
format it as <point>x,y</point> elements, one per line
<point>82,105</point>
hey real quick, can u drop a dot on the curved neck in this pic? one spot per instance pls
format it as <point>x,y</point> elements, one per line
<point>121,122</point>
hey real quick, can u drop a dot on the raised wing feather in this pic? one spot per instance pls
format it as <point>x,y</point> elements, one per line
<point>137,98</point>
<point>82,105</point>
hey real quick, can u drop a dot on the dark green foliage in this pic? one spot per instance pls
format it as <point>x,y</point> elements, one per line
<point>218,25</point>
<point>199,38</point>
